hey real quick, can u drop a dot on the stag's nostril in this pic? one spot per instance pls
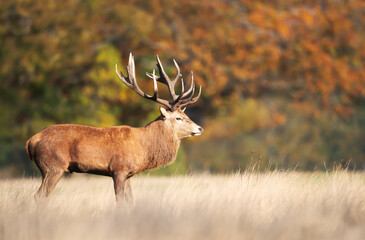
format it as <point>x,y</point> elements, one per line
<point>201,129</point>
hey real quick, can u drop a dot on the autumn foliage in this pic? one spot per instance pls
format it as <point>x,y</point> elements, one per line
<point>282,81</point>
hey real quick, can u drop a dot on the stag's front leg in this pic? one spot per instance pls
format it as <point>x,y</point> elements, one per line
<point>128,191</point>
<point>120,179</point>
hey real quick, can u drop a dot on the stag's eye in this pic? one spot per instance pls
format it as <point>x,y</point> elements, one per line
<point>178,119</point>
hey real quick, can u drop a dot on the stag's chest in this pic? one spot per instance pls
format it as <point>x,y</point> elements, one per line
<point>162,153</point>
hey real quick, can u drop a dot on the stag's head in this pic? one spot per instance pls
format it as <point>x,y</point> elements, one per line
<point>173,115</point>
<point>183,126</point>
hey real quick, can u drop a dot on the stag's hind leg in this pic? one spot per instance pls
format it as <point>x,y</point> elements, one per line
<point>49,181</point>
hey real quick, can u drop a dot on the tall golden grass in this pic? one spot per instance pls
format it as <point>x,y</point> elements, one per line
<point>273,205</point>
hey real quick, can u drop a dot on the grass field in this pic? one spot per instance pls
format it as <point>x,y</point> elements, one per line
<point>275,205</point>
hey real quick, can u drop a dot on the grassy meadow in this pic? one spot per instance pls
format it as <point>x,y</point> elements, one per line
<point>273,205</point>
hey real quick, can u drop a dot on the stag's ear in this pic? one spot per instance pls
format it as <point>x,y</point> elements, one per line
<point>163,112</point>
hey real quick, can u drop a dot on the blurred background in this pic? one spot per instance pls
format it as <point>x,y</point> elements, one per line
<point>283,81</point>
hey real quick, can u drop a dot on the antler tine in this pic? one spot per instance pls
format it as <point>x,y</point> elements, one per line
<point>130,79</point>
<point>131,82</point>
<point>166,80</point>
<point>191,89</point>
<point>182,87</point>
<point>181,94</point>
<point>131,70</point>
<point>190,100</point>
<point>178,74</point>
<point>155,90</point>
<point>163,76</point>
<point>122,78</point>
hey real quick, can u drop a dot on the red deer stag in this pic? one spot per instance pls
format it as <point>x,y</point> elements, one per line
<point>120,151</point>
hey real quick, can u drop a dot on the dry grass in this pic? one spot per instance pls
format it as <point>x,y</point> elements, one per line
<point>273,205</point>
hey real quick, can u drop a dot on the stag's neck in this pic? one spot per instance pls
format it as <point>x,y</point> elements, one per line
<point>162,144</point>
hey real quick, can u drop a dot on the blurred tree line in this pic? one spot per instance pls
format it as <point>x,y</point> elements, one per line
<point>283,81</point>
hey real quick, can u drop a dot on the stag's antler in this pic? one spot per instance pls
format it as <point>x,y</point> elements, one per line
<point>178,101</point>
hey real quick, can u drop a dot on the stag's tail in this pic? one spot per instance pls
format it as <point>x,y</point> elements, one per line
<point>28,149</point>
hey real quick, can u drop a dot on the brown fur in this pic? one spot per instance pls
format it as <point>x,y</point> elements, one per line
<point>119,152</point>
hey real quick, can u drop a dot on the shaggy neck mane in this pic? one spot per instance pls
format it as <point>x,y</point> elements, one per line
<point>162,144</point>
